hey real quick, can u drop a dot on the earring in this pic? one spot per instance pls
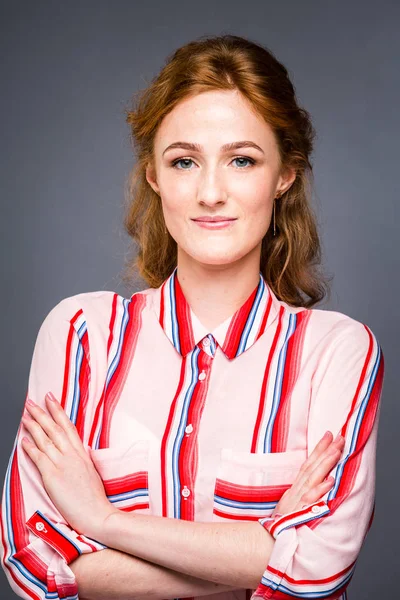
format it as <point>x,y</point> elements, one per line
<point>274,218</point>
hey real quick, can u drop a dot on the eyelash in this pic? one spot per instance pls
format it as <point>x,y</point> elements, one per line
<point>251,160</point>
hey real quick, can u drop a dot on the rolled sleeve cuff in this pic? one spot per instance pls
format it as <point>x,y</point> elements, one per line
<point>67,542</point>
<point>275,525</point>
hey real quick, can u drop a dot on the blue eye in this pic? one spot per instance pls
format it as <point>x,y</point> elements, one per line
<point>245,158</point>
<point>189,160</point>
<point>182,160</point>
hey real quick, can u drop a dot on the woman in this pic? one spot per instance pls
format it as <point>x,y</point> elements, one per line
<point>193,412</point>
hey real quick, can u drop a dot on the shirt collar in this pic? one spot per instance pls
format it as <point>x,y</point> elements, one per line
<point>234,336</point>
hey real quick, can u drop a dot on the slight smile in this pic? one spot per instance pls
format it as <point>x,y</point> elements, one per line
<point>213,222</point>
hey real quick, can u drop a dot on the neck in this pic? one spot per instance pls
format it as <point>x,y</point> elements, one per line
<point>216,292</point>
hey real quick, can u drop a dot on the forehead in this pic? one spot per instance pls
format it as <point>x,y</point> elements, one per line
<point>216,116</point>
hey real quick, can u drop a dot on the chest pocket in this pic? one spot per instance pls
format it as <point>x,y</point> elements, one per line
<point>125,475</point>
<point>248,485</point>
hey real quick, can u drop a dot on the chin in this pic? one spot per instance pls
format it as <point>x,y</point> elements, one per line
<point>216,258</point>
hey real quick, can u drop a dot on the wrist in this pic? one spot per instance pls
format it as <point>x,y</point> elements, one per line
<point>110,526</point>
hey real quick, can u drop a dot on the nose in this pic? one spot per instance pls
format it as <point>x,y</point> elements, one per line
<point>211,190</point>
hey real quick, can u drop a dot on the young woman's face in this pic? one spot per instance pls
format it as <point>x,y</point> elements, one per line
<point>207,181</point>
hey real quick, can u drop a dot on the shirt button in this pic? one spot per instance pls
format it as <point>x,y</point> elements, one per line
<point>189,428</point>
<point>206,342</point>
<point>40,527</point>
<point>316,509</point>
<point>185,492</point>
<point>202,375</point>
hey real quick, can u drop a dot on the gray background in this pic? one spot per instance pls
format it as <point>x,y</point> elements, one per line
<point>68,71</point>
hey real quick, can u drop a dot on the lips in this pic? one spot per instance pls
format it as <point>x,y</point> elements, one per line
<point>214,219</point>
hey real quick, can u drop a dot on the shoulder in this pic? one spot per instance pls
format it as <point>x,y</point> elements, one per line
<point>328,332</point>
<point>92,310</point>
<point>342,344</point>
<point>338,327</point>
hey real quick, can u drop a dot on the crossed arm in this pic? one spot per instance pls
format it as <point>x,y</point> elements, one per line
<point>126,577</point>
<point>152,554</point>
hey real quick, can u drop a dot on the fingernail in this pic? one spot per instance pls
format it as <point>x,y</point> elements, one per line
<point>31,402</point>
<point>326,434</point>
<point>50,396</point>
<point>338,438</point>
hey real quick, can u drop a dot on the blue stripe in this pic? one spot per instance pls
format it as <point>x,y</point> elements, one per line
<point>325,512</point>
<point>360,415</point>
<point>250,320</point>
<point>125,320</point>
<point>245,505</point>
<point>115,361</point>
<point>320,594</point>
<point>278,384</point>
<point>51,524</point>
<point>78,365</point>
<point>180,434</point>
<point>9,558</point>
<point>174,320</point>
<point>213,345</point>
<point>140,493</point>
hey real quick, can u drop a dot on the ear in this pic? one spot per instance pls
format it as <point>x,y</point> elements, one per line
<point>286,179</point>
<point>151,178</point>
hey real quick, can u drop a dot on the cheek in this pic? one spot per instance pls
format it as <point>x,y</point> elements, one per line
<point>258,210</point>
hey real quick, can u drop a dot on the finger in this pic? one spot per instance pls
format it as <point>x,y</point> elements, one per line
<point>43,454</point>
<point>315,459</point>
<point>61,418</point>
<point>317,492</point>
<point>324,467</point>
<point>52,430</point>
<point>307,481</point>
<point>321,446</point>
<point>58,429</point>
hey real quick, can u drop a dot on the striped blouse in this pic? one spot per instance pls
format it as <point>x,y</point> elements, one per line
<point>203,426</point>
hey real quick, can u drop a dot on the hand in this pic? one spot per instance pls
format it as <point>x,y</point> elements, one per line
<point>69,475</point>
<point>310,484</point>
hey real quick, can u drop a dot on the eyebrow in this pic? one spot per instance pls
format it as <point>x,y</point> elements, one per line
<point>224,148</point>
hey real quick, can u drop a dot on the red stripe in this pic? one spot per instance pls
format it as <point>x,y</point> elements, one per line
<point>83,541</point>
<point>17,516</point>
<point>67,363</point>
<point>182,309</point>
<point>268,592</point>
<point>294,514</point>
<point>129,483</point>
<point>262,402</point>
<point>267,312</point>
<point>234,517</point>
<point>243,493</point>
<point>53,537</point>
<point>165,439</point>
<point>96,418</point>
<point>84,378</point>
<point>162,304</point>
<point>352,464</point>
<point>291,370</point>
<point>117,382</point>
<point>32,563</point>
<point>187,460</point>
<point>237,325</point>
<point>323,580</point>
<point>134,507</point>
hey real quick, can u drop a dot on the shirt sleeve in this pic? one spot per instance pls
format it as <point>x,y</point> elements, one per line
<point>37,544</point>
<point>316,548</point>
